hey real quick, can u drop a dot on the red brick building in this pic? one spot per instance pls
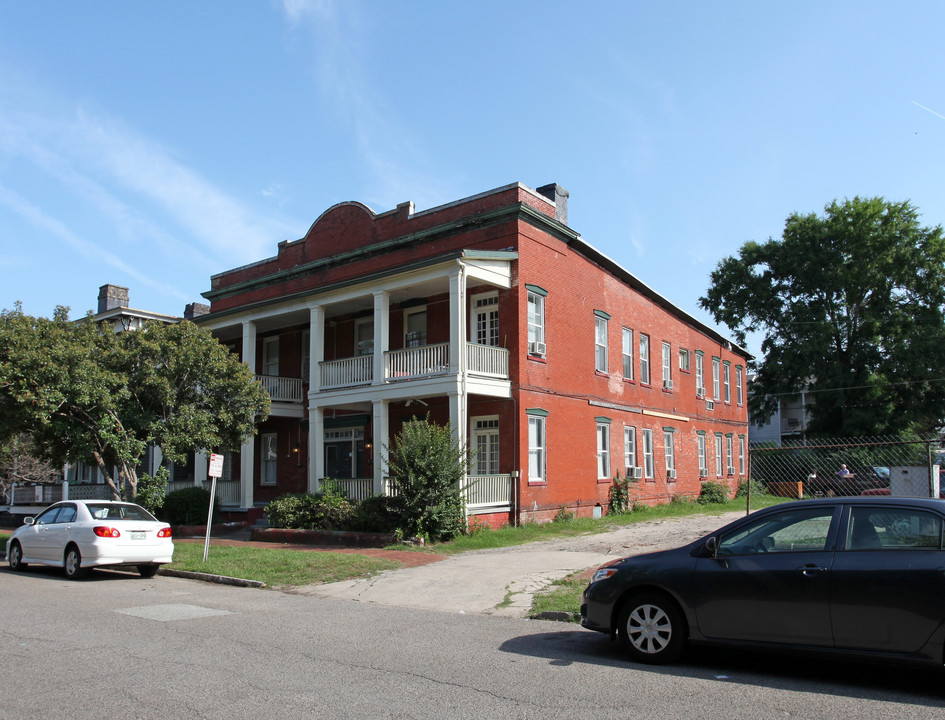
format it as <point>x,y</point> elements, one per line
<point>556,365</point>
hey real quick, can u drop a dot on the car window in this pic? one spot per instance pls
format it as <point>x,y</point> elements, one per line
<point>801,530</point>
<point>66,514</point>
<point>119,511</point>
<point>873,528</point>
<point>48,517</point>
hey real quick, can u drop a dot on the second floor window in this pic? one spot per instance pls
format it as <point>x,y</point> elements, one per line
<point>270,363</point>
<point>536,322</point>
<point>700,374</point>
<point>600,344</point>
<point>739,385</point>
<point>667,366</point>
<point>644,359</point>
<point>364,336</point>
<point>628,354</point>
<point>716,379</point>
<point>727,380</point>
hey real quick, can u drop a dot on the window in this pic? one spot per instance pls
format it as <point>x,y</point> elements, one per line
<point>270,363</point>
<point>669,452</point>
<point>739,385</point>
<point>536,448</point>
<point>741,454</point>
<point>729,455</point>
<point>485,320</point>
<point>603,449</point>
<point>485,440</point>
<point>644,359</point>
<point>628,354</point>
<point>719,467</point>
<point>700,374</point>
<point>536,320</point>
<point>364,336</point>
<point>703,465</point>
<point>600,344</point>
<point>801,530</point>
<point>716,380</point>
<point>648,469</point>
<point>727,381</point>
<point>269,446</point>
<point>667,367</point>
<point>684,359</point>
<point>629,449</point>
<point>873,528</point>
<point>415,327</point>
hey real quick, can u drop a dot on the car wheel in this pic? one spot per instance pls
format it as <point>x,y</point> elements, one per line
<point>73,564</point>
<point>652,629</point>
<point>147,571</point>
<point>16,557</point>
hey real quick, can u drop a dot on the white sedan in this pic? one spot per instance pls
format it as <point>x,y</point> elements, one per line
<point>80,534</point>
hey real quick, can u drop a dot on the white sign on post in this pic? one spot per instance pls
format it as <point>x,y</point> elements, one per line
<point>215,471</point>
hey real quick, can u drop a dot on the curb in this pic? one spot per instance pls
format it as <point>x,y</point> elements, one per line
<point>208,577</point>
<point>559,615</point>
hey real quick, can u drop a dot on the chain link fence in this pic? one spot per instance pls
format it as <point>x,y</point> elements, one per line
<point>847,466</point>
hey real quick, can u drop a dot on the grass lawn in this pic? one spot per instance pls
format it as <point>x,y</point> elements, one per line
<point>277,567</point>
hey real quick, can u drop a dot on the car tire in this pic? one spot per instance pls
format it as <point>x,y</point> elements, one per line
<point>73,564</point>
<point>16,557</point>
<point>148,571</point>
<point>652,629</point>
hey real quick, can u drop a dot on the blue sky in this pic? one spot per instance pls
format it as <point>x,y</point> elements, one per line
<point>153,145</point>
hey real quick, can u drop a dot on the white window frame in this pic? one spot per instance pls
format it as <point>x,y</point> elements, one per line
<point>669,451</point>
<point>270,356</point>
<point>268,459</point>
<point>600,344</point>
<point>627,354</point>
<point>411,342</point>
<point>719,459</point>
<point>700,372</point>
<point>537,450</point>
<point>667,363</point>
<point>629,448</point>
<point>485,431</point>
<point>739,385</point>
<point>362,347</point>
<point>729,452</point>
<point>727,380</point>
<point>741,454</point>
<point>603,451</point>
<point>684,359</point>
<point>644,359</point>
<point>536,317</point>
<point>716,378</point>
<point>703,465</point>
<point>649,468</point>
<point>484,309</point>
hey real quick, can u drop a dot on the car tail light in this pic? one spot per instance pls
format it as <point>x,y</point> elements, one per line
<point>103,531</point>
<point>164,532</point>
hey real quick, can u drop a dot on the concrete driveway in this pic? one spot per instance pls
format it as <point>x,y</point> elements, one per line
<point>503,581</point>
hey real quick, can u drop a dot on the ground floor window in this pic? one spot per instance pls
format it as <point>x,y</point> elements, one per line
<point>648,465</point>
<point>269,443</point>
<point>485,442</point>
<point>536,449</point>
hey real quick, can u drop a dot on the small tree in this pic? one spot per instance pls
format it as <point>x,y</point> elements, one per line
<point>428,469</point>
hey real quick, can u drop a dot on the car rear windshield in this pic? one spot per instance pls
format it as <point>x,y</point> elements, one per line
<point>119,511</point>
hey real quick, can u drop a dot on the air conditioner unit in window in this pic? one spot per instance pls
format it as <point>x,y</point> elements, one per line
<point>667,384</point>
<point>704,472</point>
<point>709,405</point>
<point>536,348</point>
<point>731,470</point>
<point>670,474</point>
<point>700,392</point>
<point>637,472</point>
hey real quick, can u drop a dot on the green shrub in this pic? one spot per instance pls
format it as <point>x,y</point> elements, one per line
<point>427,468</point>
<point>563,515</point>
<point>621,497</point>
<point>756,488</point>
<point>189,506</point>
<point>712,493</point>
<point>325,510</point>
<point>153,490</point>
<point>375,514</point>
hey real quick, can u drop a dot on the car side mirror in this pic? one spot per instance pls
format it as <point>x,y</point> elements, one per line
<point>28,520</point>
<point>711,547</point>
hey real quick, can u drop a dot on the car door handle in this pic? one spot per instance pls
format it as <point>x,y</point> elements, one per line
<point>811,570</point>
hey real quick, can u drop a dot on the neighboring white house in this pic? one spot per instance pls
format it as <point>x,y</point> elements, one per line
<point>789,421</point>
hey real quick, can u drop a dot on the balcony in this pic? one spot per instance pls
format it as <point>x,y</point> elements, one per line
<point>413,364</point>
<point>282,389</point>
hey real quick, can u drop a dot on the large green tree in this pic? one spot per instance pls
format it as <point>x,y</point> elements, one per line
<point>85,392</point>
<point>850,307</point>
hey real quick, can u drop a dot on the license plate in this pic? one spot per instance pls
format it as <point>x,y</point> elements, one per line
<point>138,535</point>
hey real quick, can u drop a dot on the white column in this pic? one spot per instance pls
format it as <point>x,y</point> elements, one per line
<point>458,322</point>
<point>316,447</point>
<point>316,346</point>
<point>381,418</point>
<point>247,451</point>
<point>459,416</point>
<point>381,334</point>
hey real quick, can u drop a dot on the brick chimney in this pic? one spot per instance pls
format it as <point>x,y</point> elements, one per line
<point>559,196</point>
<point>111,297</point>
<point>195,309</point>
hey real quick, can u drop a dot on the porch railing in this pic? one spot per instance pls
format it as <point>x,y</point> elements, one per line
<point>487,360</point>
<point>282,389</point>
<point>489,491</point>
<point>228,491</point>
<point>348,372</point>
<point>411,363</point>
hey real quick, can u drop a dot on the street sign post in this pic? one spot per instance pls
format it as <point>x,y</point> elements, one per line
<point>215,471</point>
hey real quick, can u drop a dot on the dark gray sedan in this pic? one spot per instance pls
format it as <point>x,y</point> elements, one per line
<point>862,575</point>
